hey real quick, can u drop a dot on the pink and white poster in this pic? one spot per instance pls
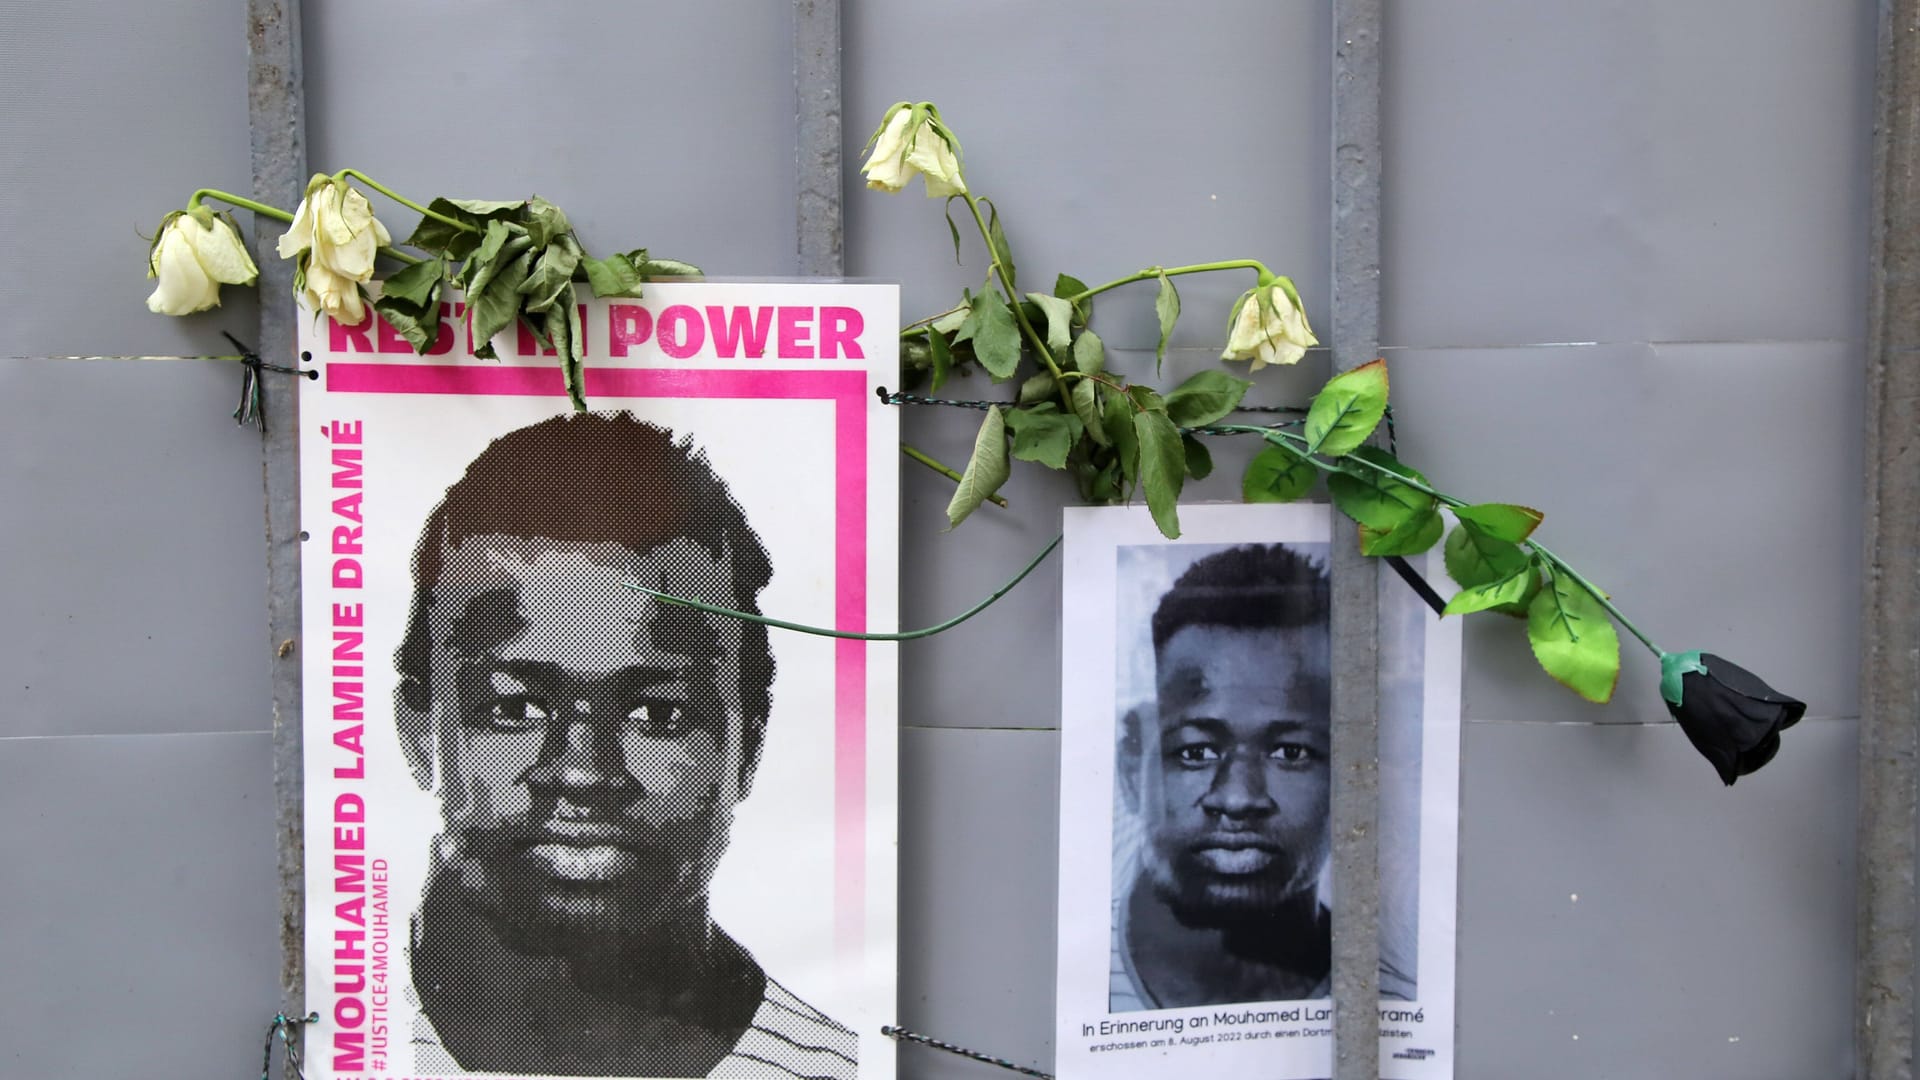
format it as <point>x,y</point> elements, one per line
<point>556,826</point>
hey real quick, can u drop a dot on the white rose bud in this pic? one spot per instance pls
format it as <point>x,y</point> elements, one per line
<point>196,253</point>
<point>1268,327</point>
<point>335,236</point>
<point>912,141</point>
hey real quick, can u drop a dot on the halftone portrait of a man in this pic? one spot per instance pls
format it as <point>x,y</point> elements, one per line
<point>588,746</point>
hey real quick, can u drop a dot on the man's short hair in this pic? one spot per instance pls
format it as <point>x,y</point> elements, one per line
<point>1250,587</point>
<point>595,478</point>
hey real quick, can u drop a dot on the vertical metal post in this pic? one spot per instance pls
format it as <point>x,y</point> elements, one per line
<point>1884,991</point>
<point>276,120</point>
<point>1356,618</point>
<point>816,84</point>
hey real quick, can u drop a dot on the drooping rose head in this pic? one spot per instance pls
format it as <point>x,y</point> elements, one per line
<point>912,141</point>
<point>1269,326</point>
<point>335,237</point>
<point>195,253</point>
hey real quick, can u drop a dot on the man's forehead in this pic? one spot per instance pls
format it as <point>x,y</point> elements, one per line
<point>1289,665</point>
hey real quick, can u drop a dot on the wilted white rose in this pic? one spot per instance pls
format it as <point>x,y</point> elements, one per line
<point>1269,328</point>
<point>335,236</point>
<point>197,252</point>
<point>912,141</point>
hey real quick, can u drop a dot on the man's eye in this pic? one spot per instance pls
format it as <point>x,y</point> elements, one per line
<point>1294,752</point>
<point>659,718</point>
<point>515,713</point>
<point>1196,754</point>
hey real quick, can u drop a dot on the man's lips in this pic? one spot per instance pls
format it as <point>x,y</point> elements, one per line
<point>1235,854</point>
<point>585,852</point>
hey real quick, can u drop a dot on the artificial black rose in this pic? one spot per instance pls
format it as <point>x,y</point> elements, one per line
<point>1729,715</point>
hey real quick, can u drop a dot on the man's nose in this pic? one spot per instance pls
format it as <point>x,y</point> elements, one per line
<point>584,761</point>
<point>1239,789</point>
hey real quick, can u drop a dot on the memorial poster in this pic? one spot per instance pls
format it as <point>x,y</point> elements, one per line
<point>556,826</point>
<point>1195,890</point>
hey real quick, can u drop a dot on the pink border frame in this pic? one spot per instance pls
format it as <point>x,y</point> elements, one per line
<point>848,392</point>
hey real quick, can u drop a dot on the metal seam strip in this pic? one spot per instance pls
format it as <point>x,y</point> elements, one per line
<point>276,121</point>
<point>816,84</point>
<point>1356,655</point>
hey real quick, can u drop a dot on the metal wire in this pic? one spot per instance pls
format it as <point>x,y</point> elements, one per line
<point>903,1035</point>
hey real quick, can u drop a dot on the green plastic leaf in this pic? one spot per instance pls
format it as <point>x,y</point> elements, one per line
<point>1089,354</point>
<point>1475,558</point>
<point>1163,468</point>
<point>1205,398</point>
<point>1199,458</point>
<point>1502,520</point>
<point>1086,406</point>
<point>1574,640</point>
<point>1041,435</point>
<point>1059,321</point>
<point>1508,590</point>
<point>987,469</point>
<point>1116,415</point>
<point>996,337</point>
<point>942,357</point>
<point>416,284</point>
<point>1038,387</point>
<point>1411,537</point>
<point>612,276</point>
<point>1277,474</point>
<point>1347,409</point>
<point>1166,304</point>
<point>1379,502</point>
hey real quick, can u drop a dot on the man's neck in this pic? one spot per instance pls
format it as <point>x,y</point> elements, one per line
<point>1285,956</point>
<point>672,1005</point>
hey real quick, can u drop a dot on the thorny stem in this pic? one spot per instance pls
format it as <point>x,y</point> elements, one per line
<point>1152,272</point>
<point>1013,297</point>
<point>403,200</point>
<point>1299,444</point>
<point>240,201</point>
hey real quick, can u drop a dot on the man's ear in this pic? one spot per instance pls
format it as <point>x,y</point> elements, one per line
<point>1133,727</point>
<point>413,715</point>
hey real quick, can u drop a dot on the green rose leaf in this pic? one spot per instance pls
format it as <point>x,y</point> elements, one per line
<point>545,222</point>
<point>551,274</point>
<point>1041,434</point>
<point>1144,397</point>
<point>1573,639</point>
<point>494,309</point>
<point>1277,474</point>
<point>658,268</point>
<point>482,268</point>
<point>987,469</point>
<point>1199,458</point>
<point>1475,558</point>
<point>1502,520</point>
<point>996,337</point>
<point>1066,285</point>
<point>1089,355</point>
<point>1059,321</point>
<point>1347,409</point>
<point>410,321</point>
<point>1116,415</point>
<point>1377,500</point>
<point>1086,406</point>
<point>458,241</point>
<point>1508,590</point>
<point>1411,537</point>
<point>417,284</point>
<point>1001,252</point>
<point>614,275</point>
<point>1205,398</point>
<point>1166,304</point>
<point>477,208</point>
<point>942,357</point>
<point>1038,387</point>
<point>1163,468</point>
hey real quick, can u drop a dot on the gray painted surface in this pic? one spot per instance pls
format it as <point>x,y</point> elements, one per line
<point>1624,172</point>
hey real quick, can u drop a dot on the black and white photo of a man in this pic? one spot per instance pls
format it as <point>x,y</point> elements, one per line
<point>1224,774</point>
<point>588,745</point>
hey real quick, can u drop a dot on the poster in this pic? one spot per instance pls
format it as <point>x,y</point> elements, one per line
<point>554,826</point>
<point>1194,842</point>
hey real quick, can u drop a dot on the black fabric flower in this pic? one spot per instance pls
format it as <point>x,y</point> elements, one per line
<point>1729,715</point>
